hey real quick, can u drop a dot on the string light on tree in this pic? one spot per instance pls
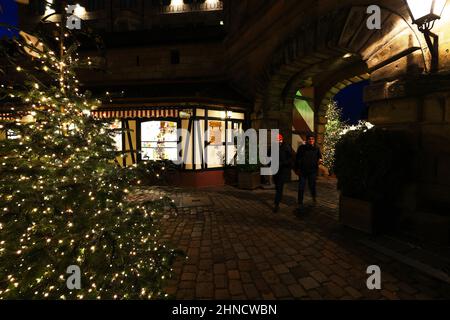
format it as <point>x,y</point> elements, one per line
<point>62,194</point>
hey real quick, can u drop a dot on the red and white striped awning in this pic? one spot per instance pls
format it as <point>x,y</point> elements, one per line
<point>7,116</point>
<point>116,114</point>
<point>136,113</point>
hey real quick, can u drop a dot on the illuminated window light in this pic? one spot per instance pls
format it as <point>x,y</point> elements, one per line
<point>48,8</point>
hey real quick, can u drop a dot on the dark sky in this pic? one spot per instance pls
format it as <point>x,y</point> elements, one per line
<point>8,15</point>
<point>350,100</point>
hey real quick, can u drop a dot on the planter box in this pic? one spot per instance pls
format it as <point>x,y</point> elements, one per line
<point>173,178</point>
<point>230,176</point>
<point>249,180</point>
<point>357,214</point>
<point>430,228</point>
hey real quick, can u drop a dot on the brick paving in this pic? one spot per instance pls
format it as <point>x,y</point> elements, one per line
<point>239,249</point>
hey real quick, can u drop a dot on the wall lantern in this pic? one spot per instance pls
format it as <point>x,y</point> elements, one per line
<point>424,13</point>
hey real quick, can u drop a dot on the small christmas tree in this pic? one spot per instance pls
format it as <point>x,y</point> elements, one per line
<point>63,196</point>
<point>333,133</point>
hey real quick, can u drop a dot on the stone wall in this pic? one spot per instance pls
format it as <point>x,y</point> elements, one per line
<point>411,105</point>
<point>196,61</point>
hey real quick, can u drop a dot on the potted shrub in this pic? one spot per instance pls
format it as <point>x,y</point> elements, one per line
<point>162,172</point>
<point>249,175</point>
<point>230,175</point>
<point>372,166</point>
<point>230,171</point>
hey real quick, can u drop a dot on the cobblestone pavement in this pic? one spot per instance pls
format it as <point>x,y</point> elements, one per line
<point>239,249</point>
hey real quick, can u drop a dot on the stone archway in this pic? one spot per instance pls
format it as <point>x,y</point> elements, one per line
<point>332,52</point>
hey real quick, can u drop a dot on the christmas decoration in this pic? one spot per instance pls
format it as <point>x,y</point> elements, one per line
<point>62,194</point>
<point>333,130</point>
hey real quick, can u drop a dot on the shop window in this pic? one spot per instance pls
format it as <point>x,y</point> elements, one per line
<point>235,129</point>
<point>159,140</point>
<point>215,149</point>
<point>117,136</point>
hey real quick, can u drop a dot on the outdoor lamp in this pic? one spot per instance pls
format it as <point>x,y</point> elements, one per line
<point>424,13</point>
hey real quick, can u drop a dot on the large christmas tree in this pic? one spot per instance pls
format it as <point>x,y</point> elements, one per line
<point>62,195</point>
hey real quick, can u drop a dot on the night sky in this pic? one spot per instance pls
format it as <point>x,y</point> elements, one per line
<point>350,100</point>
<point>9,16</point>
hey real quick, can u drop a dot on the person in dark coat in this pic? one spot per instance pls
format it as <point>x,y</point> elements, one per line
<point>284,172</point>
<point>307,166</point>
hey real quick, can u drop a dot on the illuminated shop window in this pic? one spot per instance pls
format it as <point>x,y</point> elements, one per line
<point>215,149</point>
<point>117,137</point>
<point>236,128</point>
<point>159,140</point>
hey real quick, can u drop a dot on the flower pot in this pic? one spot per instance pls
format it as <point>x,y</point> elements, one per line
<point>249,180</point>
<point>357,214</point>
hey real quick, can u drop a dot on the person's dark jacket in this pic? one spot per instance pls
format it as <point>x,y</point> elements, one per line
<point>307,160</point>
<point>286,163</point>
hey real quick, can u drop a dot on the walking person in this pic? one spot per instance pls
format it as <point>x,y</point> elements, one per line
<point>307,164</point>
<point>284,173</point>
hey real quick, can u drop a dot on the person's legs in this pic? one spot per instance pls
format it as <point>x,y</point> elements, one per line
<point>301,190</point>
<point>279,186</point>
<point>312,178</point>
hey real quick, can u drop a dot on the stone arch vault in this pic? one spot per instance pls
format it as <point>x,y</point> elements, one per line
<point>332,52</point>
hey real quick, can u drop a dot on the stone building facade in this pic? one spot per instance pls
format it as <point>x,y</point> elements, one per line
<point>277,63</point>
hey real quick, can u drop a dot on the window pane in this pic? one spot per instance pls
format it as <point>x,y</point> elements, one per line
<point>216,132</point>
<point>221,114</point>
<point>159,140</point>
<point>216,156</point>
<point>117,125</point>
<point>231,155</point>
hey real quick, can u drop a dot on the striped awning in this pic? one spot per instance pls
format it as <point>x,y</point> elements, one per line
<point>7,116</point>
<point>136,113</point>
<point>116,114</point>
